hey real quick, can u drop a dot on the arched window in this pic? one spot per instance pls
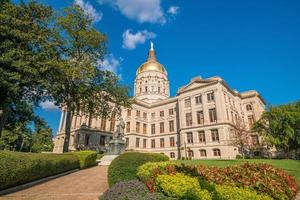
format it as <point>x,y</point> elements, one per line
<point>248,107</point>
<point>172,155</point>
<point>217,152</point>
<point>146,89</point>
<point>202,153</point>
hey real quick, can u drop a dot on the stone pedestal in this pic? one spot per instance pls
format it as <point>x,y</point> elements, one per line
<point>116,147</point>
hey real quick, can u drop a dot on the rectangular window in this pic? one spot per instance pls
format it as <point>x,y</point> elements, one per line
<point>171,111</point>
<point>171,126</point>
<point>161,127</point>
<point>254,140</point>
<point>200,117</point>
<point>152,129</point>
<point>250,120</point>
<point>201,135</point>
<point>188,119</point>
<point>225,99</point>
<point>137,127</point>
<point>144,143</point>
<point>152,115</point>
<point>162,143</point>
<point>212,115</point>
<point>227,114</point>
<point>214,135</point>
<point>161,113</point>
<point>202,153</point>
<point>127,142</point>
<point>190,138</point>
<point>102,140</point>
<point>112,124</point>
<point>127,127</point>
<point>144,115</point>
<point>128,113</point>
<point>144,128</point>
<point>152,143</point>
<point>172,155</point>
<point>138,113</point>
<point>103,123</point>
<point>198,99</point>
<point>137,142</point>
<point>172,142</point>
<point>210,96</point>
<point>187,102</point>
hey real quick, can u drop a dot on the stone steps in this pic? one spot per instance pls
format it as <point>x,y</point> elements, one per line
<point>106,160</point>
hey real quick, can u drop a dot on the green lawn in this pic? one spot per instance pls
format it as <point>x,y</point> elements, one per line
<point>292,167</point>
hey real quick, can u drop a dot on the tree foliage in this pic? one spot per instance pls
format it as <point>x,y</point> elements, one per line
<point>280,126</point>
<point>80,84</point>
<point>27,54</point>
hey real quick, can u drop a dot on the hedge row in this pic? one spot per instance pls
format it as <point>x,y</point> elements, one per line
<point>86,158</point>
<point>18,168</point>
<point>124,167</point>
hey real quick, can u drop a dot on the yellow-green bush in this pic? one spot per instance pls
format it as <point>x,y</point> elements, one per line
<point>86,158</point>
<point>182,187</point>
<point>17,168</point>
<point>145,171</point>
<point>224,192</point>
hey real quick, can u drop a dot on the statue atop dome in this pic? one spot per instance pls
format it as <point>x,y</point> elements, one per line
<point>151,46</point>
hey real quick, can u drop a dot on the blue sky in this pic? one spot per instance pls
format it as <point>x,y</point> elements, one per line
<point>250,44</point>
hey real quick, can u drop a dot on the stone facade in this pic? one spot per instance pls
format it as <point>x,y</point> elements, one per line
<point>198,122</point>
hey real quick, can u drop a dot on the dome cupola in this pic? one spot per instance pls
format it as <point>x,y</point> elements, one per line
<point>151,64</point>
<point>151,83</point>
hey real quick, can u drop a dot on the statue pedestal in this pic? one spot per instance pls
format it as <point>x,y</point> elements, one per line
<point>116,147</point>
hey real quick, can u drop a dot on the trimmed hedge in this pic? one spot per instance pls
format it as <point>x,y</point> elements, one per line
<point>124,167</point>
<point>86,158</point>
<point>18,168</point>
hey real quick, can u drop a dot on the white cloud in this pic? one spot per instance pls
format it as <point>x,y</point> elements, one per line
<point>49,105</point>
<point>140,10</point>
<point>88,8</point>
<point>173,10</point>
<point>131,40</point>
<point>111,63</point>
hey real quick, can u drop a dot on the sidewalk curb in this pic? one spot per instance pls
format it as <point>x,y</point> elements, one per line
<point>30,184</point>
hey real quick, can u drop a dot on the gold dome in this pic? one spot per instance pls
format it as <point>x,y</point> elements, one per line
<point>151,64</point>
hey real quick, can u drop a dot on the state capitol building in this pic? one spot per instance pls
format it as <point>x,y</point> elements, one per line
<point>198,122</point>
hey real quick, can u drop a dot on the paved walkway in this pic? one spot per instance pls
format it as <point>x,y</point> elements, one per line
<point>86,184</point>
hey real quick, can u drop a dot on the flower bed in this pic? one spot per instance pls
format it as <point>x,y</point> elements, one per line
<point>246,181</point>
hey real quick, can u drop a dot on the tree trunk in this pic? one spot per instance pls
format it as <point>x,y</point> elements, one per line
<point>67,130</point>
<point>1,121</point>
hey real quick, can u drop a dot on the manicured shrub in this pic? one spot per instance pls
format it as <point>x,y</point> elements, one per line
<point>181,186</point>
<point>17,168</point>
<point>124,167</point>
<point>152,169</point>
<point>86,158</point>
<point>131,190</point>
<point>239,156</point>
<point>224,192</point>
<point>263,178</point>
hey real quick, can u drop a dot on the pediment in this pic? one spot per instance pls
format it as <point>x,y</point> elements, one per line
<point>195,84</point>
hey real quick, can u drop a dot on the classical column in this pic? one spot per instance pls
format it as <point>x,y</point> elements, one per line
<point>60,121</point>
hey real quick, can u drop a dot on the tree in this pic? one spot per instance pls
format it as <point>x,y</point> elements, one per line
<point>27,54</point>
<point>42,137</point>
<point>280,126</point>
<point>80,84</point>
<point>241,136</point>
